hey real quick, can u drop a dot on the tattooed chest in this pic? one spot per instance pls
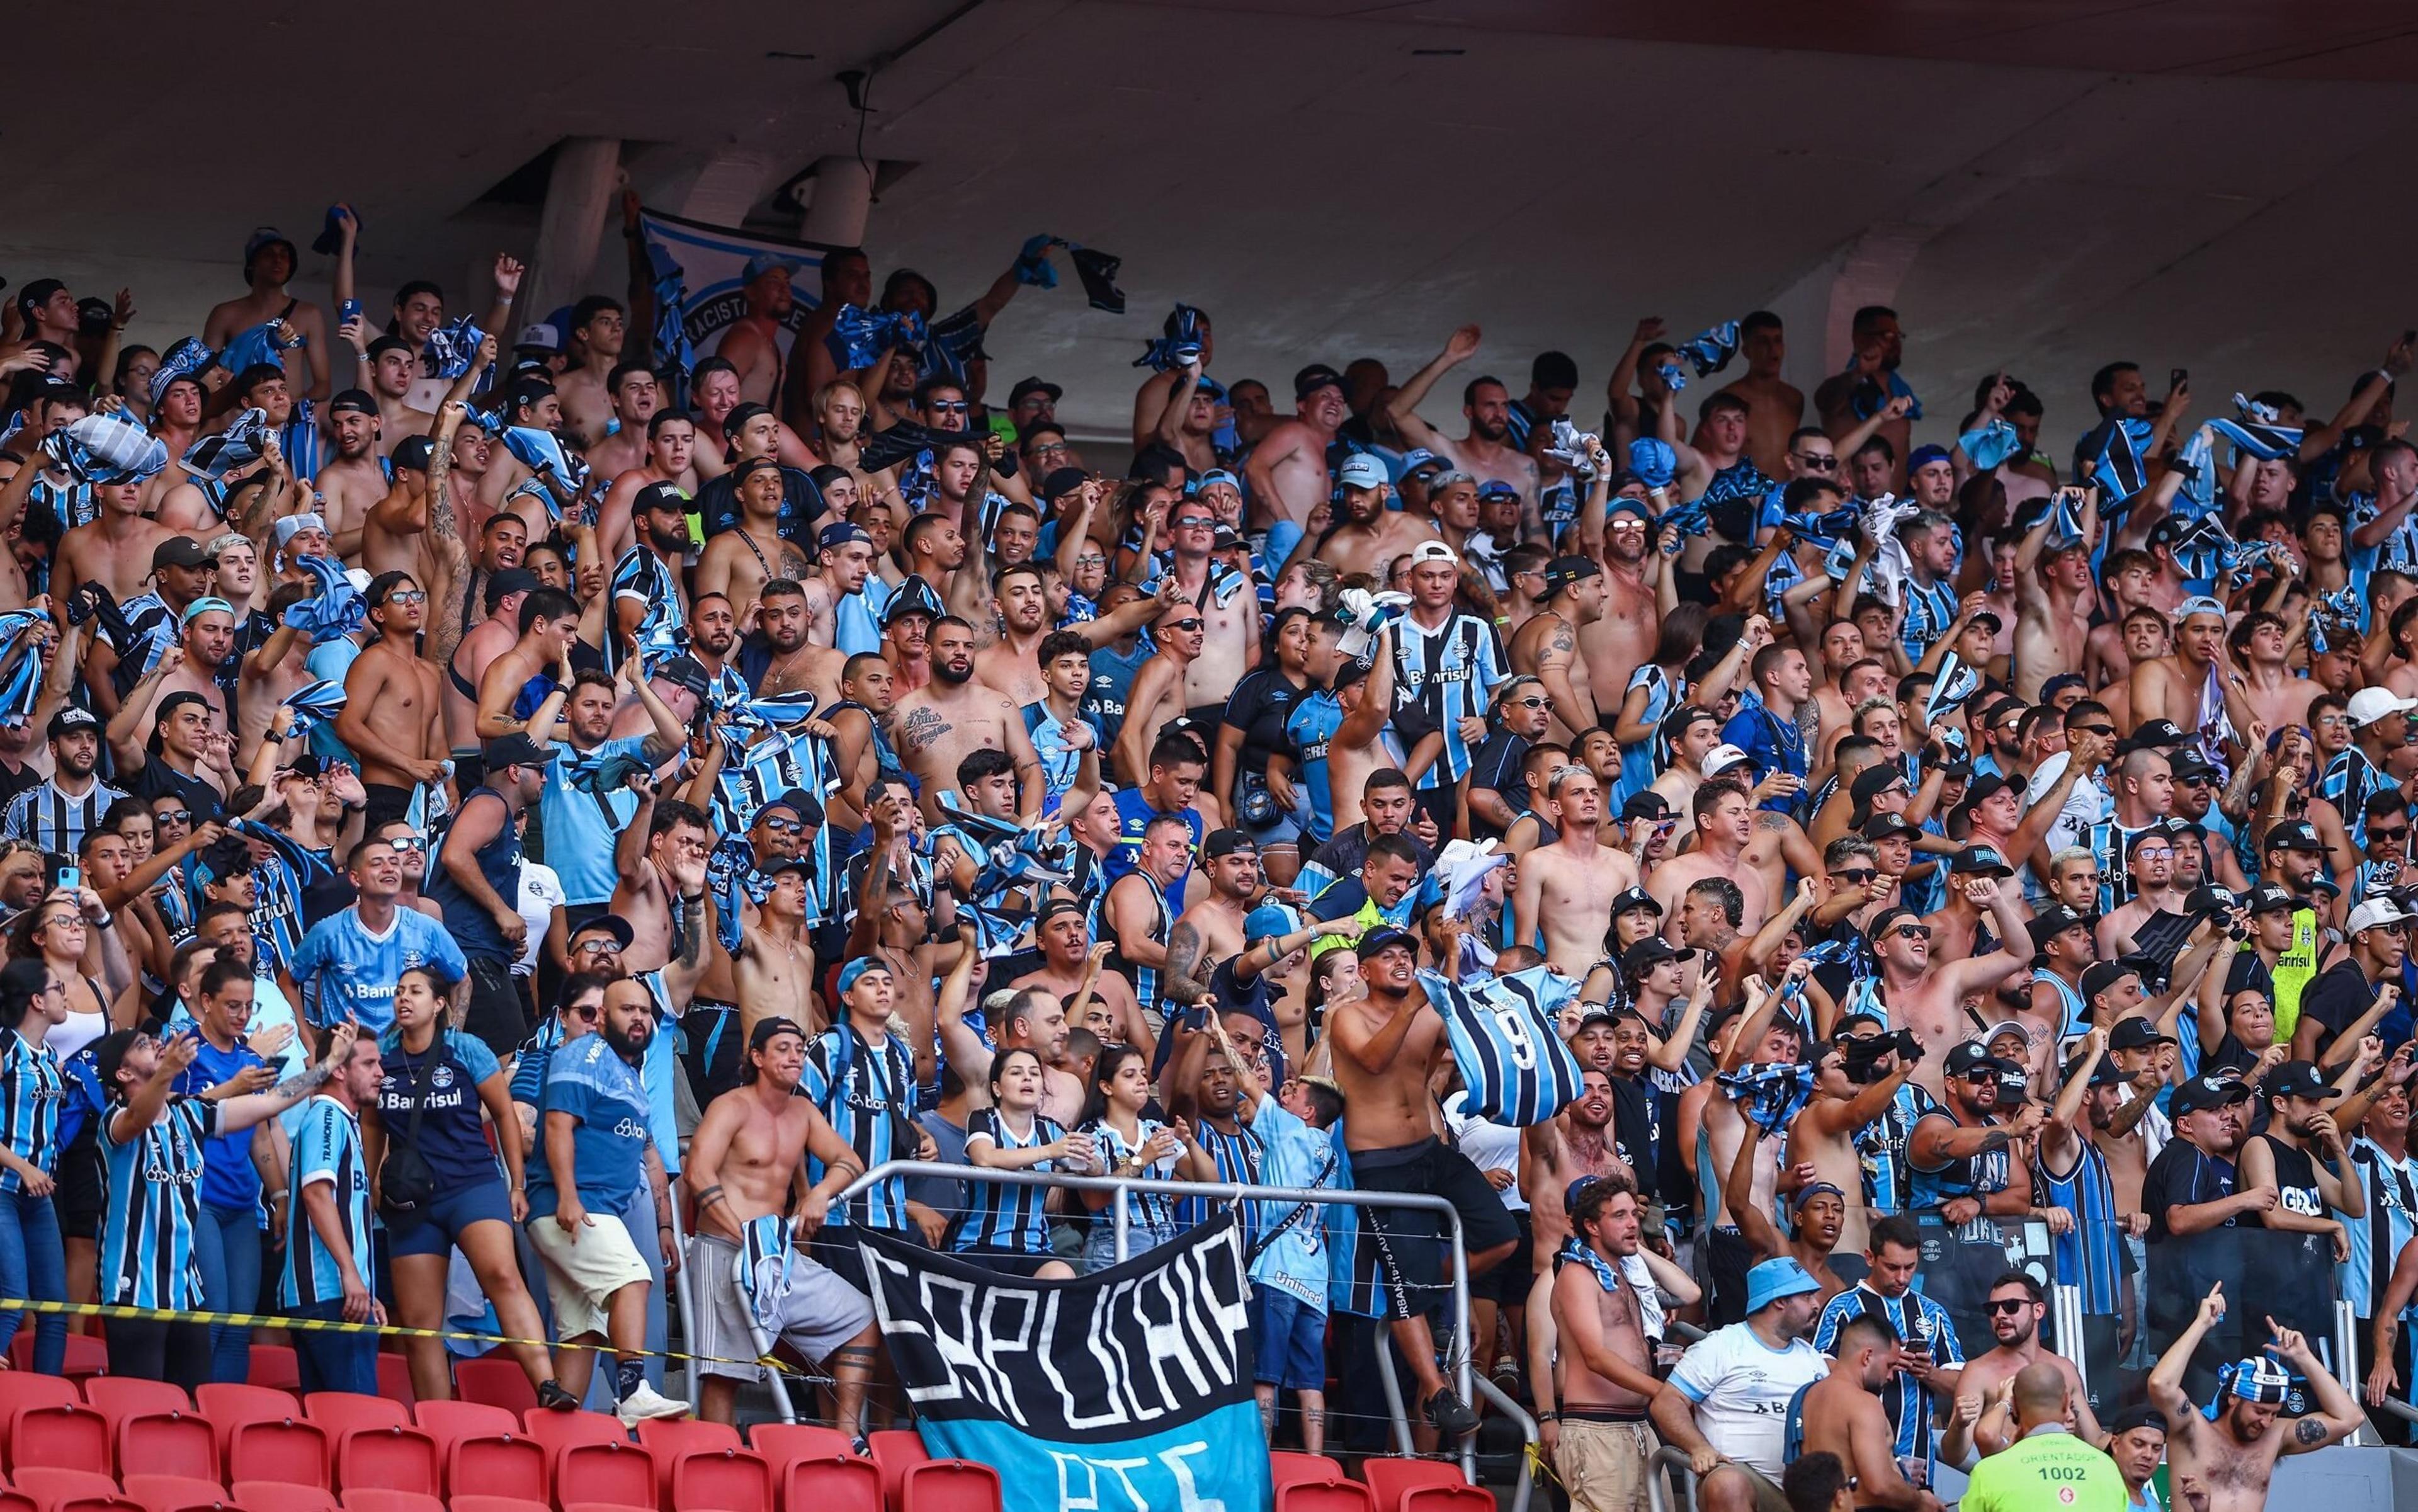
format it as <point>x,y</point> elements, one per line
<point>922,728</point>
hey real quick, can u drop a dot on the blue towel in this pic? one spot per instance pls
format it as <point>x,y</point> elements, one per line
<point>314,703</point>
<point>244,442</point>
<point>452,348</point>
<point>184,359</point>
<point>1654,462</point>
<point>1178,346</point>
<point>108,447</point>
<point>1032,267</point>
<point>335,611</point>
<point>1710,351</point>
<point>330,239</point>
<point>256,347</point>
<point>21,690</point>
<point>859,336</point>
<point>1991,443</point>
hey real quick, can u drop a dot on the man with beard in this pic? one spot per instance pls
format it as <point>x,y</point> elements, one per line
<point>2048,1462</point>
<point>742,1163</point>
<point>393,714</point>
<point>460,593</point>
<point>781,657</point>
<point>55,812</point>
<point>1848,400</point>
<point>1367,536</point>
<point>1599,1439</point>
<point>1573,1145</point>
<point>1387,1045</point>
<point>1825,1136</point>
<point>1927,1359</point>
<point>350,481</point>
<point>596,1152</point>
<point>1487,453</point>
<point>1960,1155</point>
<point>580,815</point>
<point>1287,471</point>
<point>752,550</point>
<point>906,633</point>
<point>1546,647</point>
<point>2016,1307</point>
<point>2223,1464</point>
<point>648,601</point>
<point>2301,1156</point>
<point>1725,1406</point>
<point>1009,664</point>
<point>939,726</point>
<point>670,460</point>
<point>1844,1416</point>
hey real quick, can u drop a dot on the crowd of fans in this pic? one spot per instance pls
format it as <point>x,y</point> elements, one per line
<point>470,802</point>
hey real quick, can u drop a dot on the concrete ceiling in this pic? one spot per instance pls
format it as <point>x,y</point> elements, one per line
<point>2200,183</point>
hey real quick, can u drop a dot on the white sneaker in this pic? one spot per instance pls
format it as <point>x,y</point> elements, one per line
<point>647,1402</point>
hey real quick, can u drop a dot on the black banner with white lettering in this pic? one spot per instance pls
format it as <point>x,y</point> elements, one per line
<point>1127,1388</point>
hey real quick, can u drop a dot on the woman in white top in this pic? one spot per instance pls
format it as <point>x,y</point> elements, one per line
<point>1131,1145</point>
<point>59,930</point>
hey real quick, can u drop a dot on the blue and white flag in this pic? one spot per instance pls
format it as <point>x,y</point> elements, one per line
<point>109,447</point>
<point>1130,1387</point>
<point>1503,1040</point>
<point>244,442</point>
<point>707,266</point>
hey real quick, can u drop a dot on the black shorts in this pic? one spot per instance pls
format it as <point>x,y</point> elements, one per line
<point>1725,1258</point>
<point>1412,1270</point>
<point>79,1199</point>
<point>1507,1285</point>
<point>498,1014</point>
<point>710,1034</point>
<point>386,804</point>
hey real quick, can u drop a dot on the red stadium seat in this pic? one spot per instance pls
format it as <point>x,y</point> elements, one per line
<point>784,1443</point>
<point>117,1397</point>
<point>340,1412</point>
<point>894,1450</point>
<point>729,1480</point>
<point>226,1405</point>
<point>1286,1468</point>
<point>396,1459</point>
<point>496,1380</point>
<point>1457,1498</point>
<point>1390,1479</point>
<point>485,1447</point>
<point>394,1378</point>
<point>176,1493</point>
<point>68,1434</point>
<point>274,1365</point>
<point>839,1483</point>
<point>494,1504</point>
<point>951,1485</point>
<point>24,1389</point>
<point>671,1438</point>
<point>86,1356</point>
<point>591,1458</point>
<point>289,1449</point>
<point>17,1501</point>
<point>1325,1496</point>
<point>377,1498</point>
<point>281,1496</point>
<point>55,1487</point>
<point>166,1443</point>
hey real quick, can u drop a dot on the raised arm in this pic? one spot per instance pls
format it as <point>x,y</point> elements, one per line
<point>1403,409</point>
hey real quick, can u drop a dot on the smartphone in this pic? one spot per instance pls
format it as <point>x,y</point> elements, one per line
<point>2177,377</point>
<point>70,878</point>
<point>351,310</point>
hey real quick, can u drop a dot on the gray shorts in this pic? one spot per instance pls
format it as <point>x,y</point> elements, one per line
<point>821,1312</point>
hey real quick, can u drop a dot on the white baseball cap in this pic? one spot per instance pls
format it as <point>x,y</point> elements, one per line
<point>1723,758</point>
<point>1432,551</point>
<point>2376,913</point>
<point>2369,705</point>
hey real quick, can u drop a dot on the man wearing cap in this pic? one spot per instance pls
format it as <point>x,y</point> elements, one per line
<point>2155,920</point>
<point>845,597</point>
<point>1062,934</point>
<point>2136,1441</point>
<point>743,1164</point>
<point>2345,1001</point>
<point>1959,1152</point>
<point>752,343</point>
<point>1287,470</point>
<point>2142,793</point>
<point>55,814</point>
<point>475,877</point>
<point>2191,1187</point>
<point>2223,1456</point>
<point>170,761</point>
<point>1210,930</point>
<point>1727,1404</point>
<point>1498,791</point>
<point>1487,453</point>
<point>1368,537</point>
<point>648,603</point>
<point>1450,664</point>
<point>506,590</point>
<point>1547,647</point>
<point>2301,1157</point>
<point>2191,688</point>
<point>1387,1045</point>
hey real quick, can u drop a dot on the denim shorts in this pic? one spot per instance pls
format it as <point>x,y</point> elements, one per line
<point>449,1216</point>
<point>1290,1341</point>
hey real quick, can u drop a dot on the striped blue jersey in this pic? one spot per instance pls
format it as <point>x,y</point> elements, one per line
<point>299,439</point>
<point>1518,1070</point>
<point>1929,612</point>
<point>1450,672</point>
<point>2089,1254</point>
<point>642,575</point>
<point>56,820</point>
<point>327,1149</point>
<point>1880,1150</point>
<point>2347,782</point>
<point>154,1187</point>
<point>1974,1175</point>
<point>999,1215</point>
<point>1238,1156</point>
<point>866,1092</point>
<point>280,882</point>
<point>31,1090</point>
<point>1151,1210</point>
<point>2112,843</point>
<point>2391,1190</point>
<point>1917,1320</point>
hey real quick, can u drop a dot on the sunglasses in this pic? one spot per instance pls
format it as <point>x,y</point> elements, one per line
<point>1187,626</point>
<point>1548,703</point>
<point>586,1016</point>
<point>406,596</point>
<point>1195,522</point>
<point>784,826</point>
<point>2093,730</point>
<point>2009,1307</point>
<point>1912,931</point>
<point>173,815</point>
<point>1813,464</point>
<point>596,947</point>
<point>947,406</point>
<point>406,842</point>
<point>1859,877</point>
<point>2377,832</point>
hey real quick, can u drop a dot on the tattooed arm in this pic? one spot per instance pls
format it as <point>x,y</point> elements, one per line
<point>1184,956</point>
<point>1571,712</point>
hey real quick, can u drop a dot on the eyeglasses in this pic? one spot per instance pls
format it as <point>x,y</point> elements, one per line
<point>2010,1306</point>
<point>597,947</point>
<point>1091,559</point>
<point>406,596</point>
<point>1049,448</point>
<point>1187,626</point>
<point>1197,521</point>
<point>1816,463</point>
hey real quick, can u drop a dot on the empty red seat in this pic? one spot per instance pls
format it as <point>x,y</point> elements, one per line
<point>377,1498</point>
<point>65,1433</point>
<point>1286,1468</point>
<point>672,1439</point>
<point>496,1380</point>
<point>173,1442</point>
<point>951,1485</point>
<point>783,1444</point>
<point>340,1412</point>
<point>227,1404</point>
<point>24,1389</point>
<point>1457,1498</point>
<point>485,1447</point>
<point>494,1504</point>
<point>114,1396</point>
<point>86,1354</point>
<point>394,1378</point>
<point>291,1450</point>
<point>834,1483</point>
<point>176,1493</point>
<point>274,1365</point>
<point>1325,1496</point>
<point>281,1496</point>
<point>894,1451</point>
<point>730,1481</point>
<point>53,1486</point>
<point>1391,1480</point>
<point>17,1501</point>
<point>590,1458</point>
<point>397,1458</point>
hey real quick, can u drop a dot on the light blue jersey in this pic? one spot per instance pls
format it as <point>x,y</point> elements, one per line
<point>343,967</point>
<point>580,825</point>
<point>1311,725</point>
<point>326,1148</point>
<point>589,1080</point>
<point>1292,1256</point>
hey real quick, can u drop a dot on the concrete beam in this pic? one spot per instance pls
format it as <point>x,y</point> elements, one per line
<point>580,198</point>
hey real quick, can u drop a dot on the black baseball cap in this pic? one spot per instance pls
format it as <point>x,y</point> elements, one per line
<point>2101,975</point>
<point>611,924</point>
<point>2205,1092</point>
<point>1987,784</point>
<point>2136,1034</point>
<point>508,581</point>
<point>1889,827</point>
<point>665,496</point>
<point>1061,483</point>
<point>2299,1078</point>
<point>2271,899</point>
<point>1034,386</point>
<point>1979,861</point>
<point>514,750</point>
<point>1314,378</point>
<point>2052,922</point>
<point>2293,834</point>
<point>2155,735</point>
<point>181,551</point>
<point>2105,1073</point>
<point>1648,804</point>
<point>2212,899</point>
<point>1635,897</point>
<point>1875,780</point>
<point>1968,1055</point>
<point>1384,938</point>
<point>1565,571</point>
<point>769,1030</point>
<point>412,453</point>
<point>1228,842</point>
<point>1649,952</point>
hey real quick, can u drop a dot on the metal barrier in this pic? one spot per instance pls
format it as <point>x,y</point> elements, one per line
<point>1670,1481</point>
<point>1120,1188</point>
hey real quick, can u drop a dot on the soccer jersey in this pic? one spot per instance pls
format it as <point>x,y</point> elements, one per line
<point>1504,1042</point>
<point>1451,673</point>
<point>1311,725</point>
<point>2389,1221</point>
<point>1741,1387</point>
<point>56,820</point>
<point>154,1184</point>
<point>1001,1215</point>
<point>604,1097</point>
<point>343,967</point>
<point>451,1137</point>
<point>31,1091</point>
<point>581,823</point>
<point>229,1179</point>
<point>1918,1322</point>
<point>866,1092</point>
<point>327,1149</point>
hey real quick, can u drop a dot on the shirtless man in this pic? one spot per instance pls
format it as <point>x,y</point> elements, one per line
<point>1824,1135</point>
<point>2017,1308</point>
<point>1879,347</point>
<point>268,262</point>
<point>940,724</point>
<point>1573,1144</point>
<point>1607,1361</point>
<point>1287,470</point>
<point>660,857</point>
<point>2054,595</point>
<point>1926,995</point>
<point>1211,929</point>
<point>1069,958</point>
<point>597,331</point>
<point>1369,536</point>
<point>1843,1416</point>
<point>1387,1045</point>
<point>743,1163</point>
<point>2225,1466</point>
<point>1486,453</point>
<point>1710,1118</point>
<point>537,662</point>
<point>392,719</point>
<point>752,344</point>
<point>2278,698</point>
<point>1562,902</point>
<point>1230,611</point>
<point>477,651</point>
<point>1774,408</point>
<point>1547,647</point>
<point>774,964</point>
<point>114,550</point>
<point>350,481</point>
<point>847,280</point>
<point>2176,687</point>
<point>1011,665</point>
<point>636,396</point>
<point>2130,580</point>
<point>796,663</point>
<point>670,458</point>
<point>739,561</point>
<point>1724,827</point>
<point>1618,642</point>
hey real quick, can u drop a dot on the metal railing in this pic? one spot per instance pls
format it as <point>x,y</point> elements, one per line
<point>1670,1481</point>
<point>1121,1190</point>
